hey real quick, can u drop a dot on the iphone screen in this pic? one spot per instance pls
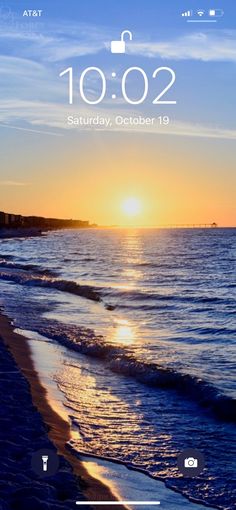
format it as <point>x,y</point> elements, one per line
<point>117,254</point>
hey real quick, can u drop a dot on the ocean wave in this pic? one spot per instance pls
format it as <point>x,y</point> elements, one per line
<point>145,307</point>
<point>7,256</point>
<point>197,389</point>
<point>194,388</point>
<point>42,278</point>
<point>139,295</point>
<point>32,274</point>
<point>25,267</point>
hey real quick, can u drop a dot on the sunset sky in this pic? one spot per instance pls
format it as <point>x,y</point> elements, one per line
<point>180,173</point>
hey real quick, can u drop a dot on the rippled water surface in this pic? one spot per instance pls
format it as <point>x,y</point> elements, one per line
<point>148,321</point>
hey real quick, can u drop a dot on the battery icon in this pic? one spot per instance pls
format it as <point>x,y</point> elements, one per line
<point>216,13</point>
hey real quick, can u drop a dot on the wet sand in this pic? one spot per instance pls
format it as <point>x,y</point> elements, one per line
<point>58,429</point>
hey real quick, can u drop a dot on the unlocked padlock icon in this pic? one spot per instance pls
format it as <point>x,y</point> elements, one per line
<point>119,46</point>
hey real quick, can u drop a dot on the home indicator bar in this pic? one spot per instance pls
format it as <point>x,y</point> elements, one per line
<point>118,503</point>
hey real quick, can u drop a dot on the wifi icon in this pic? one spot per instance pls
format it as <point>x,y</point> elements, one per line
<point>201,12</point>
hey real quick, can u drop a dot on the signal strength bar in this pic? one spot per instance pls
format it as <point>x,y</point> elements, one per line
<point>187,13</point>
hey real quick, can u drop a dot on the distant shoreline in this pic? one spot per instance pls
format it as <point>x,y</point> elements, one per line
<point>17,232</point>
<point>10,233</point>
<point>19,222</point>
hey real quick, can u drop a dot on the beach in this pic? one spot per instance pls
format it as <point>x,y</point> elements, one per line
<point>28,423</point>
<point>40,427</point>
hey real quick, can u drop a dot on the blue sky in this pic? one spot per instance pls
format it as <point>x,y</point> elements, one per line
<point>78,33</point>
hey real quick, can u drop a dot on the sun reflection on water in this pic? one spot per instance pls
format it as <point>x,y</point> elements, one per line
<point>124,332</point>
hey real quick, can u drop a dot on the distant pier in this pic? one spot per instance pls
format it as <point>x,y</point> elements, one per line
<point>189,225</point>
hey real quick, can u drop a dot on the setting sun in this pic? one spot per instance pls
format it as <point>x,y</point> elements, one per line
<point>131,206</point>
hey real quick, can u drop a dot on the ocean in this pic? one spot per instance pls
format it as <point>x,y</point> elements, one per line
<point>147,321</point>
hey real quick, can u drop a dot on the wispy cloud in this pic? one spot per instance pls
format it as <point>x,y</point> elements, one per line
<point>39,116</point>
<point>207,46</point>
<point>29,130</point>
<point>13,183</point>
<point>58,42</point>
<point>186,129</point>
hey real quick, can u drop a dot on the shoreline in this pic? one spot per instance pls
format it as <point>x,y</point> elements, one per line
<point>16,233</point>
<point>24,233</point>
<point>127,482</point>
<point>58,429</point>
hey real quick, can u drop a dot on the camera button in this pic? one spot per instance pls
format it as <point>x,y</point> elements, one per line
<point>190,462</point>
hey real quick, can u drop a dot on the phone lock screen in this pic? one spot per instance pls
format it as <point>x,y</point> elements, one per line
<point>117,254</point>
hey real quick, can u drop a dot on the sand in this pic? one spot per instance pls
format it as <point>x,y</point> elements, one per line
<point>58,429</point>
